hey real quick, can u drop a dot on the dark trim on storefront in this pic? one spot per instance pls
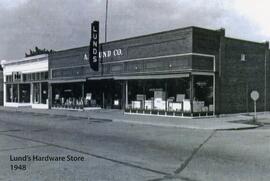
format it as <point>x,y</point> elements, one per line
<point>167,76</point>
<point>66,81</point>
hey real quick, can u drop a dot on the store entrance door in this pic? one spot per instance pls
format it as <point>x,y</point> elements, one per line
<point>112,94</point>
<point>107,93</point>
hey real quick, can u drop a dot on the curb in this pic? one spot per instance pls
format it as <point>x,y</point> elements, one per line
<point>184,127</point>
<point>52,114</point>
<point>132,121</point>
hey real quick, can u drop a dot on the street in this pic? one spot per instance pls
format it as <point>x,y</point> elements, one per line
<point>122,151</point>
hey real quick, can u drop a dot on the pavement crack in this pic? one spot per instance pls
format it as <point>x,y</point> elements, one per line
<point>172,177</point>
<point>186,162</point>
<point>93,155</point>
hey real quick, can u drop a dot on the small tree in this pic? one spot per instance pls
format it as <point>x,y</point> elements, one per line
<point>38,51</point>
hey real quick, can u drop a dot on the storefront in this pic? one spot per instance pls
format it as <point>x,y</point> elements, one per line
<point>154,74</point>
<point>26,82</point>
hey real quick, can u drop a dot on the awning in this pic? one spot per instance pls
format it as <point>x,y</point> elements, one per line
<point>66,81</point>
<point>99,78</point>
<point>167,76</point>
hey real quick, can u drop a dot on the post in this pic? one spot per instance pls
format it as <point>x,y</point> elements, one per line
<point>40,93</point>
<point>254,96</point>
<point>50,98</point>
<point>11,93</point>
<point>254,111</point>
<point>126,87</point>
<point>83,96</point>
<point>103,100</point>
<point>166,96</point>
<point>18,93</point>
<point>191,95</point>
<point>106,21</point>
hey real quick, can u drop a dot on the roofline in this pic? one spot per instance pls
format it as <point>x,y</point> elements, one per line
<point>151,34</point>
<point>248,41</point>
<point>4,62</point>
<point>158,33</point>
<point>135,37</point>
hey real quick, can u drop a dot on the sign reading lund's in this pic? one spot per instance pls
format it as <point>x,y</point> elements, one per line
<point>94,46</point>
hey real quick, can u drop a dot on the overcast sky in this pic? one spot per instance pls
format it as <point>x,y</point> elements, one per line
<point>62,24</point>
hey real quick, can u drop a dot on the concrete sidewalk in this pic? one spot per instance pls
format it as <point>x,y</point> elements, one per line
<point>230,122</point>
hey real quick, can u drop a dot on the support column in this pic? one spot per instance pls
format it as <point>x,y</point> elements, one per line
<point>50,95</point>
<point>166,95</point>
<point>103,100</point>
<point>18,91</point>
<point>40,93</point>
<point>11,93</point>
<point>4,93</point>
<point>191,94</point>
<point>126,94</point>
<point>219,78</point>
<point>214,94</point>
<point>31,93</point>
<point>83,96</point>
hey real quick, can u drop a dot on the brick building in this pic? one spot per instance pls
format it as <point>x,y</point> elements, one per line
<point>190,71</point>
<point>201,69</point>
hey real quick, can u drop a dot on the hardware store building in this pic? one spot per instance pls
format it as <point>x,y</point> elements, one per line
<point>186,71</point>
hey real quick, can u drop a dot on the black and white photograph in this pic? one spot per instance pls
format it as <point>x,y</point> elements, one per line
<point>134,90</point>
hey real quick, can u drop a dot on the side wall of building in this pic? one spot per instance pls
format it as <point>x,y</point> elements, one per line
<point>235,79</point>
<point>240,77</point>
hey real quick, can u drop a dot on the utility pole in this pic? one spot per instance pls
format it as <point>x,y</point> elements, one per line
<point>106,21</point>
<point>106,25</point>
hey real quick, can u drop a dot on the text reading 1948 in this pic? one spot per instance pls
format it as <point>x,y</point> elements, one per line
<point>40,158</point>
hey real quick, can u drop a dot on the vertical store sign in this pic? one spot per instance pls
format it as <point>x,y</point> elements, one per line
<point>94,46</point>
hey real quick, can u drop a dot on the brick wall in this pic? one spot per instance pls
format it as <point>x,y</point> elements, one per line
<point>71,63</point>
<point>239,78</point>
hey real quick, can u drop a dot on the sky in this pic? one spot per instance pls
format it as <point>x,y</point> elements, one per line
<point>64,24</point>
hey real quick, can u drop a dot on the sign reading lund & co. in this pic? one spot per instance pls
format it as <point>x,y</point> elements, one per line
<point>111,53</point>
<point>94,46</point>
<point>107,54</point>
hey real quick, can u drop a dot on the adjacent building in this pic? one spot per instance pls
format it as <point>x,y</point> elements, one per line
<point>26,82</point>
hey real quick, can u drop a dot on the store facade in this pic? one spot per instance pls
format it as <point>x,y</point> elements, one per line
<point>152,74</point>
<point>26,82</point>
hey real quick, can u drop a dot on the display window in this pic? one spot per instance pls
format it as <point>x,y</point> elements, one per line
<point>36,93</point>
<point>188,96</point>
<point>68,95</point>
<point>24,91</point>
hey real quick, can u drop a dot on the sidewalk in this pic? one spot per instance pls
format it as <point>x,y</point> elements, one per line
<point>230,122</point>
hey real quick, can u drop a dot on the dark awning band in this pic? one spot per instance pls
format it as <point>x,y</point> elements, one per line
<point>66,81</point>
<point>168,76</point>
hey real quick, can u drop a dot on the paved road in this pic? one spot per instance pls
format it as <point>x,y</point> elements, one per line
<point>121,151</point>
